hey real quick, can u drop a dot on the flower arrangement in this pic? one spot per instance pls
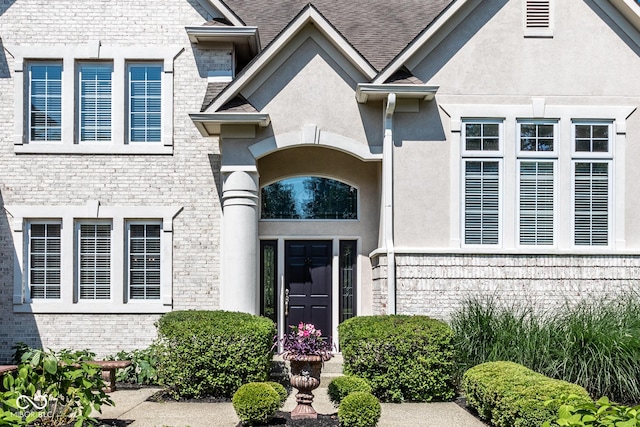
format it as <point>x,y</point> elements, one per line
<point>305,340</point>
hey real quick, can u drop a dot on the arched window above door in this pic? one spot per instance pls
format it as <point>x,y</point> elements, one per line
<point>309,197</point>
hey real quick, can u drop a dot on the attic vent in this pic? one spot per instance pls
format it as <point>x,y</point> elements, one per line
<point>538,18</point>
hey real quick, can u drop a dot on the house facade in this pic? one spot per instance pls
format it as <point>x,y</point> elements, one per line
<point>310,162</point>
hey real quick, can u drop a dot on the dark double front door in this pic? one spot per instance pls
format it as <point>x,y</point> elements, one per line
<point>308,283</point>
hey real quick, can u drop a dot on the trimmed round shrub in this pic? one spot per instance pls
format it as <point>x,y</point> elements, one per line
<point>212,353</point>
<point>340,387</point>
<point>510,395</point>
<point>256,403</point>
<point>279,388</point>
<point>402,357</point>
<point>359,409</point>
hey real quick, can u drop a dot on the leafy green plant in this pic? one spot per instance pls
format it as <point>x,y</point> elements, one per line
<point>401,357</point>
<point>594,343</point>
<point>602,413</point>
<point>256,402</point>
<point>341,387</point>
<point>72,388</point>
<point>212,353</point>
<point>143,368</point>
<point>280,389</point>
<point>359,409</point>
<point>510,395</point>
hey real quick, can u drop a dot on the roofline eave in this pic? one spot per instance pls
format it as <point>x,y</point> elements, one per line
<point>366,92</point>
<point>209,124</point>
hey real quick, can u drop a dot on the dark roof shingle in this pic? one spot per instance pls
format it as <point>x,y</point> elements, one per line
<point>378,29</point>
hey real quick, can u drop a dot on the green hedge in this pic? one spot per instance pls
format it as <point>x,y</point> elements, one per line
<point>510,395</point>
<point>341,387</point>
<point>402,357</point>
<point>212,353</point>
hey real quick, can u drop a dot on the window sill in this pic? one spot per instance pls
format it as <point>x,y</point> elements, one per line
<point>92,308</point>
<point>152,148</point>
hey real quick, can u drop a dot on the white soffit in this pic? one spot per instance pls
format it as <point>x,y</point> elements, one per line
<point>307,16</point>
<point>209,124</point>
<point>376,92</point>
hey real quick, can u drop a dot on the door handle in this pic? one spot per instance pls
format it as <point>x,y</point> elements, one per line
<point>286,302</point>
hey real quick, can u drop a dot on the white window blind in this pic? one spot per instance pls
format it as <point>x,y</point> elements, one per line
<point>45,102</point>
<point>44,261</point>
<point>144,261</point>
<point>94,261</point>
<point>538,14</point>
<point>591,203</point>
<point>536,203</point>
<point>145,102</point>
<point>95,102</point>
<point>481,202</point>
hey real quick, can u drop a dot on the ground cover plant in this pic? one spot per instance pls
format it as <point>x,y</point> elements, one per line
<point>401,357</point>
<point>53,389</point>
<point>602,413</point>
<point>595,343</point>
<point>212,353</point>
<point>143,368</point>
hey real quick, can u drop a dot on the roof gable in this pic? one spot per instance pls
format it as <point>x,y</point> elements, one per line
<point>308,16</point>
<point>378,29</point>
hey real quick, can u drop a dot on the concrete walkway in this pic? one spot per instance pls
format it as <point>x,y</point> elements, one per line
<point>132,405</point>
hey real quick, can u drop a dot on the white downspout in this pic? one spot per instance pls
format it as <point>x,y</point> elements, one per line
<point>387,185</point>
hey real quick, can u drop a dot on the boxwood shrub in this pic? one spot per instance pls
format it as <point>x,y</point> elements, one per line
<point>341,387</point>
<point>212,353</point>
<point>256,403</point>
<point>507,394</point>
<point>402,357</point>
<point>359,409</point>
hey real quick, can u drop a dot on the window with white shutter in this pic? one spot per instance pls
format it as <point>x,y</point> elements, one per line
<point>537,202</point>
<point>44,260</point>
<point>45,101</point>
<point>95,101</point>
<point>482,202</point>
<point>144,260</point>
<point>145,101</point>
<point>94,260</point>
<point>538,18</point>
<point>591,203</point>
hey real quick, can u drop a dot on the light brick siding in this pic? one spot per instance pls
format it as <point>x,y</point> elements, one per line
<point>188,178</point>
<point>436,285</point>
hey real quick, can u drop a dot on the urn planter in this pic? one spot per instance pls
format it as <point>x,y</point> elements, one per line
<point>305,377</point>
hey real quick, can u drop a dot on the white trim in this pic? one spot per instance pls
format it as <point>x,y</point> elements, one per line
<point>592,154</point>
<point>308,16</point>
<point>71,55</point>
<point>69,216</point>
<point>482,153</point>
<point>360,150</point>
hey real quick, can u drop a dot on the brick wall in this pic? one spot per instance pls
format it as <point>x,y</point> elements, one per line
<point>188,178</point>
<point>436,284</point>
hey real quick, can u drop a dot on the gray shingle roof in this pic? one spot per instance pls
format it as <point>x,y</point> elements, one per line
<point>378,29</point>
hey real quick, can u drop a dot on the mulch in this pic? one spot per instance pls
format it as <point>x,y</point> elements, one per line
<point>284,419</point>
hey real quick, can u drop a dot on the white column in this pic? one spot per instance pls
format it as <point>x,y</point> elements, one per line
<point>239,286</point>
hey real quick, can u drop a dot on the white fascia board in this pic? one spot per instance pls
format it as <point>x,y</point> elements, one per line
<point>200,34</point>
<point>422,39</point>
<point>310,15</point>
<point>224,10</point>
<point>629,22</point>
<point>374,92</point>
<point>201,120</point>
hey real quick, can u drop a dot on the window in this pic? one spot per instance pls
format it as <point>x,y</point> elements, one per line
<point>44,260</point>
<point>144,261</point>
<point>269,282</point>
<point>591,201</point>
<point>348,255</point>
<point>121,102</point>
<point>592,138</point>
<point>482,182</point>
<point>118,261</point>
<point>94,261</point>
<point>145,102</point>
<point>537,202</point>
<point>45,101</point>
<point>309,197</point>
<point>95,102</point>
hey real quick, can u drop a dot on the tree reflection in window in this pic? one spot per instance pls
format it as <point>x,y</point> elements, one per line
<point>309,197</point>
